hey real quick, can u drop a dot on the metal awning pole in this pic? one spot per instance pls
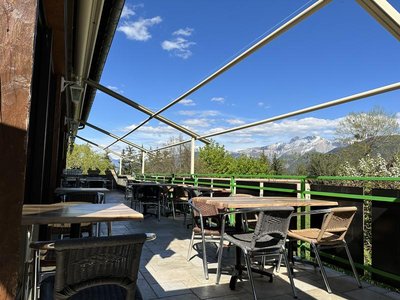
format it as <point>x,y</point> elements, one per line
<point>141,108</point>
<point>120,166</point>
<point>369,93</point>
<point>143,156</point>
<point>192,147</point>
<point>285,27</point>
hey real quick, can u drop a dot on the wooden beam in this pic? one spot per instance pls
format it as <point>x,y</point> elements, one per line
<point>17,34</point>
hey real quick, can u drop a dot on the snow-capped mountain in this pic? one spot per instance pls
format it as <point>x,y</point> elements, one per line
<point>296,145</point>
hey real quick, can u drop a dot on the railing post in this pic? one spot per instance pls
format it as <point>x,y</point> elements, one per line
<point>261,188</point>
<point>232,185</point>
<point>196,180</point>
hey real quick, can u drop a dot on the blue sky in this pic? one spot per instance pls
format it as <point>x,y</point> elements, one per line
<point>163,48</point>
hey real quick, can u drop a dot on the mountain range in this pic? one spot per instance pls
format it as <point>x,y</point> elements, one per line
<point>296,146</point>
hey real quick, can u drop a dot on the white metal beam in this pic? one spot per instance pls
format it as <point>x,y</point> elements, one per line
<point>353,97</point>
<point>192,148</point>
<point>143,159</point>
<point>94,144</point>
<point>285,27</point>
<point>114,136</point>
<point>143,109</point>
<point>384,13</point>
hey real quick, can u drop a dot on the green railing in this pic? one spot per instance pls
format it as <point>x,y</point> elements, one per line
<point>198,179</point>
<point>230,181</point>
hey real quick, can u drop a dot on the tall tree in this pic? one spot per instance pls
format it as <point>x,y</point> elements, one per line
<point>215,159</point>
<point>367,129</point>
<point>277,167</point>
<point>84,158</point>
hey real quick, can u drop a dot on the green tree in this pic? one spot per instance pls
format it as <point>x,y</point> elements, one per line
<point>277,167</point>
<point>84,158</point>
<point>174,159</point>
<point>323,164</point>
<point>131,161</point>
<point>367,129</point>
<point>214,159</point>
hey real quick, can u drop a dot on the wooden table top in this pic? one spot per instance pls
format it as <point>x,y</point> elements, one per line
<point>70,212</point>
<point>259,202</point>
<point>152,184</point>
<point>65,190</point>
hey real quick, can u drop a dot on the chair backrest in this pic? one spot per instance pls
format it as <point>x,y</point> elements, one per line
<point>82,197</point>
<point>180,193</point>
<point>89,262</point>
<point>272,227</point>
<point>149,193</point>
<point>336,222</point>
<point>206,210</point>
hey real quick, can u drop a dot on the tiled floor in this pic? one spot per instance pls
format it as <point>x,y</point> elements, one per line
<point>166,274</point>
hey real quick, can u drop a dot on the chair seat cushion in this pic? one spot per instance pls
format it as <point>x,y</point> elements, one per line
<point>243,240</point>
<point>310,235</point>
<point>207,231</point>
<point>100,292</point>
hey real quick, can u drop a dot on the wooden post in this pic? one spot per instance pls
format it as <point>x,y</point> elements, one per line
<point>17,34</point>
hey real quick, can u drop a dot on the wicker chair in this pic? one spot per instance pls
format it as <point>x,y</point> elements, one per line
<point>92,268</point>
<point>267,240</point>
<point>150,196</point>
<point>206,223</point>
<point>331,235</point>
<point>180,196</point>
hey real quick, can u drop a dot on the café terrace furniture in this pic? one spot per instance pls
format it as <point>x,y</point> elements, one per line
<point>94,182</point>
<point>151,194</point>
<point>93,195</point>
<point>61,213</point>
<point>94,268</point>
<point>334,227</point>
<point>183,193</point>
<point>206,224</point>
<point>235,203</point>
<point>267,240</point>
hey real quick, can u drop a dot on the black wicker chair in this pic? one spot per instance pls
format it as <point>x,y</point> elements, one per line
<point>267,240</point>
<point>93,268</point>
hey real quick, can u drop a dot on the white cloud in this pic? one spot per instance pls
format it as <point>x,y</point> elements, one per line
<point>243,141</point>
<point>218,99</point>
<point>234,121</point>
<point>178,47</point>
<point>187,102</point>
<point>115,89</point>
<point>127,12</point>
<point>184,31</point>
<point>201,122</point>
<point>139,30</point>
<point>199,113</point>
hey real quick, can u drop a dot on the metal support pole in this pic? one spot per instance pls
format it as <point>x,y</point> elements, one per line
<point>120,166</point>
<point>143,155</point>
<point>192,147</point>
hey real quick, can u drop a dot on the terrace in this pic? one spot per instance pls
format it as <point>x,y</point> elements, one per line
<point>53,55</point>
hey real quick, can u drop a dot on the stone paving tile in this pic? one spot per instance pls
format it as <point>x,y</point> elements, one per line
<point>393,295</point>
<point>164,272</point>
<point>365,294</point>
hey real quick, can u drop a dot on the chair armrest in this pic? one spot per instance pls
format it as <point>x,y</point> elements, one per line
<point>150,236</point>
<point>42,245</point>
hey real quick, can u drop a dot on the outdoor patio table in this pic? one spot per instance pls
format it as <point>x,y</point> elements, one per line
<point>74,214</point>
<point>165,187</point>
<point>226,203</point>
<point>63,190</point>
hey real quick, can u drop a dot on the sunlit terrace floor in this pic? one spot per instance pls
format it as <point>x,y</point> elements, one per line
<point>166,274</point>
